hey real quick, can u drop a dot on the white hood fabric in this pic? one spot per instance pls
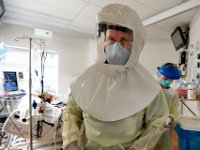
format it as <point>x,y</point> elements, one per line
<point>113,92</point>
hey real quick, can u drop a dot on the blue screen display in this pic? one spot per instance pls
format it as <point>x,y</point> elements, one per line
<point>10,81</point>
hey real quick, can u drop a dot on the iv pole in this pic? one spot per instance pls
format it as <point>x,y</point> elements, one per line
<point>30,97</point>
<point>30,85</point>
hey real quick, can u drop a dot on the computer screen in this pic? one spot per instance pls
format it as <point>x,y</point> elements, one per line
<point>10,81</point>
<point>178,38</point>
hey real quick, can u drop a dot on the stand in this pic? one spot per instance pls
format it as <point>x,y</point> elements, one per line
<point>30,85</point>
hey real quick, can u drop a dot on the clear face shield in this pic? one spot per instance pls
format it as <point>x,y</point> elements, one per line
<point>114,43</point>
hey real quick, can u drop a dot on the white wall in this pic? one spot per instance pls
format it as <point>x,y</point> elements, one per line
<point>75,53</point>
<point>156,53</point>
<point>194,40</point>
<point>194,28</point>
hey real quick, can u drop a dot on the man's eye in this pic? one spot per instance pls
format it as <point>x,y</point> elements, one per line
<point>113,40</point>
<point>126,40</point>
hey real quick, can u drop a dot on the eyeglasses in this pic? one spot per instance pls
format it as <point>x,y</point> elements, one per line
<point>124,43</point>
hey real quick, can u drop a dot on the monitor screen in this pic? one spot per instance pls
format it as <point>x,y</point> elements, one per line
<point>178,38</point>
<point>2,8</point>
<point>10,81</point>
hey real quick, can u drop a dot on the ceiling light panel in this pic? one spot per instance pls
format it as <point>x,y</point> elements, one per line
<point>35,20</point>
<point>20,12</point>
<point>40,8</point>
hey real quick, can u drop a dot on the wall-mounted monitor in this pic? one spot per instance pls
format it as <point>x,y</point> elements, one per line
<point>10,81</point>
<point>2,8</point>
<point>178,38</point>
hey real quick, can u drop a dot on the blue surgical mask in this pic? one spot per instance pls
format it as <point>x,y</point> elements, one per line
<point>117,54</point>
<point>166,83</point>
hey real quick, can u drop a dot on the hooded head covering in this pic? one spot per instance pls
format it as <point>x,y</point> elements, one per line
<point>113,92</point>
<point>124,16</point>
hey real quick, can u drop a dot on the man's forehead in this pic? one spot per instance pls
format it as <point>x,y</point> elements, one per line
<point>113,32</point>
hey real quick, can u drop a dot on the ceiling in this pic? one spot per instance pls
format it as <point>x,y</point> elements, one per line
<point>78,16</point>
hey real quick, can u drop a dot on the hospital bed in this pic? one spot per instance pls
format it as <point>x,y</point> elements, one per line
<point>46,126</point>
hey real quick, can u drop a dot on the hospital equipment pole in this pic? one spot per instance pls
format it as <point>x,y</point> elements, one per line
<point>30,98</point>
<point>30,85</point>
<point>187,107</point>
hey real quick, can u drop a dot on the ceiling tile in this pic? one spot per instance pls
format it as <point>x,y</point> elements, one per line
<point>35,20</point>
<point>85,0</point>
<point>160,5</point>
<point>69,5</point>
<point>29,14</point>
<point>142,10</point>
<point>103,3</point>
<point>85,22</point>
<point>90,10</point>
<point>32,25</point>
<point>80,15</point>
<point>82,30</point>
<point>40,8</point>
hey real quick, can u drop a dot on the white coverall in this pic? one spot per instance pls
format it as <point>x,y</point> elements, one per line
<point>140,131</point>
<point>113,107</point>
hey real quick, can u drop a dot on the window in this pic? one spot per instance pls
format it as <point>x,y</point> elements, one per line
<point>17,60</point>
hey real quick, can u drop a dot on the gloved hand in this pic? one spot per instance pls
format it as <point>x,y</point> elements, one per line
<point>170,123</point>
<point>72,146</point>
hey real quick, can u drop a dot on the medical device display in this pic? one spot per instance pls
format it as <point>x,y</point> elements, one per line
<point>178,38</point>
<point>10,81</point>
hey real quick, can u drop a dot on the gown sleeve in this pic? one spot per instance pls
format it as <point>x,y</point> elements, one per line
<point>155,116</point>
<point>174,109</point>
<point>72,123</point>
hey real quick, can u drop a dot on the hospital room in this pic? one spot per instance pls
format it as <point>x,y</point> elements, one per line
<point>99,74</point>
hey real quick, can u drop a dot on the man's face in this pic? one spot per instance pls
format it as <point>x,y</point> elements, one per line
<point>124,38</point>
